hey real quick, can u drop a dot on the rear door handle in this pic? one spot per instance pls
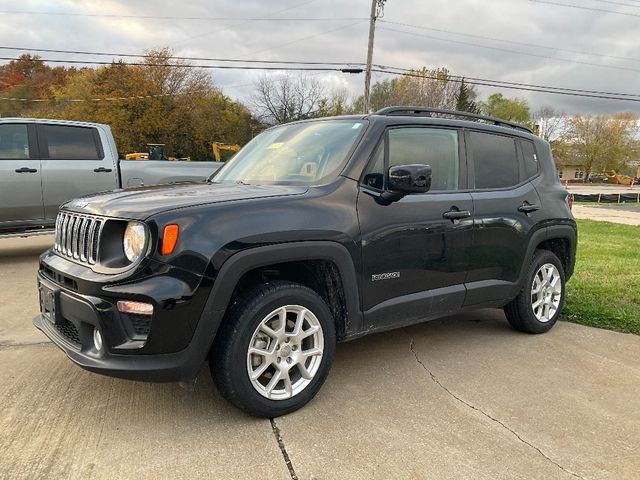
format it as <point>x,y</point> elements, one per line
<point>527,207</point>
<point>455,214</point>
<point>102,170</point>
<point>26,170</point>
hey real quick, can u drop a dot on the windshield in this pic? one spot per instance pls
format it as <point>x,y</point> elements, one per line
<point>308,153</point>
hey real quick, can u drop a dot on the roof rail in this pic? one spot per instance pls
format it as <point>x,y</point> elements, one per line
<point>430,112</point>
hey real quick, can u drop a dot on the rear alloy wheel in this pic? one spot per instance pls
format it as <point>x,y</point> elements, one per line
<point>274,349</point>
<point>546,292</point>
<point>538,305</point>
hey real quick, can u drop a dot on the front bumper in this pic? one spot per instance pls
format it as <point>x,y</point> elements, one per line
<point>173,367</point>
<point>130,349</point>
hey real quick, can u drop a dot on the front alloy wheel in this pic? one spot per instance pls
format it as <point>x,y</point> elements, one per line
<point>285,352</point>
<point>274,349</point>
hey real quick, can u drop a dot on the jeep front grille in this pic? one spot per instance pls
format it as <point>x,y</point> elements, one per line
<point>78,236</point>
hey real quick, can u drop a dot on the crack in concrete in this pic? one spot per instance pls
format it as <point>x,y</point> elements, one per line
<point>490,417</point>
<point>283,449</point>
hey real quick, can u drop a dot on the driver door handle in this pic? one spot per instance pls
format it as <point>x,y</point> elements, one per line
<point>456,214</point>
<point>101,170</point>
<point>26,170</point>
<point>527,207</point>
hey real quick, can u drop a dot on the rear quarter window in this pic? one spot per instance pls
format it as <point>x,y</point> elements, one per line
<point>72,143</point>
<point>529,160</point>
<point>495,161</point>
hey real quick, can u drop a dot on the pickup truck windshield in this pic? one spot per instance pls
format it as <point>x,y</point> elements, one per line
<point>308,153</point>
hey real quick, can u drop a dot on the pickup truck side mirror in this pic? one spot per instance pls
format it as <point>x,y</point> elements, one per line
<point>407,179</point>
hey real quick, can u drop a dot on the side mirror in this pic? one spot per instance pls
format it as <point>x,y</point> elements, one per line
<point>406,179</point>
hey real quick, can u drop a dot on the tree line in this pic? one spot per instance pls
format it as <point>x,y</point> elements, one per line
<point>166,101</point>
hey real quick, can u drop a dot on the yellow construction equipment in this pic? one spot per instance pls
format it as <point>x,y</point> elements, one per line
<point>616,178</point>
<point>217,146</point>
<point>155,151</point>
<point>137,156</point>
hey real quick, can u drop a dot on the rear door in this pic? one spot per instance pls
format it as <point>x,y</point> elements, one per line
<point>20,175</point>
<point>73,164</point>
<point>506,211</point>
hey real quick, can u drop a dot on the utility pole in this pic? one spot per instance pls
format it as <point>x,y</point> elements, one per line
<point>376,10</point>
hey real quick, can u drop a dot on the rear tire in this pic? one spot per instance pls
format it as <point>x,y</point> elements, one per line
<point>274,350</point>
<point>538,305</point>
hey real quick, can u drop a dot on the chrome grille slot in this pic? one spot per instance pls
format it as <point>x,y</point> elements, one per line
<point>78,236</point>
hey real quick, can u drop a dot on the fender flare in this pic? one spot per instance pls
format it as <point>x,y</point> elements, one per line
<point>548,232</point>
<point>242,262</point>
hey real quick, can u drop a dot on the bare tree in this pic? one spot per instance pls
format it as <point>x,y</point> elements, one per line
<point>549,122</point>
<point>426,88</point>
<point>602,142</point>
<point>286,98</point>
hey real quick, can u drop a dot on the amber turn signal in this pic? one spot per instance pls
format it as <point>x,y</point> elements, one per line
<point>169,239</point>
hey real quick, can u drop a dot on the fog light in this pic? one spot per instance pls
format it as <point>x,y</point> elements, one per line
<point>138,308</point>
<point>97,339</point>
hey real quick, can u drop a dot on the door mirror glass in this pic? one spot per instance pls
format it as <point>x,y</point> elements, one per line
<point>407,179</point>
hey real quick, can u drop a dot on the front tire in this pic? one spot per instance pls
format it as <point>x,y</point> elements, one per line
<point>538,305</point>
<point>274,350</point>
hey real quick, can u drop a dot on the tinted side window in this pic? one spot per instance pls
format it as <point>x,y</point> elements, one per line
<point>71,143</point>
<point>429,146</point>
<point>494,159</point>
<point>14,142</point>
<point>529,158</point>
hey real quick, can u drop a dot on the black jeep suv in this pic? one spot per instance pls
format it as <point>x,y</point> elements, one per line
<point>316,232</point>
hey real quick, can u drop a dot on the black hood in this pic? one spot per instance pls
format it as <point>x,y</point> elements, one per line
<point>141,203</point>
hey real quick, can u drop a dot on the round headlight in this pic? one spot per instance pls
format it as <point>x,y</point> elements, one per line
<point>134,241</point>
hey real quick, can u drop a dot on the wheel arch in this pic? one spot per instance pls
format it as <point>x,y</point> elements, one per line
<point>561,240</point>
<point>338,266</point>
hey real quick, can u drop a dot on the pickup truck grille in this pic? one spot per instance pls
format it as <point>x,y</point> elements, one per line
<point>78,236</point>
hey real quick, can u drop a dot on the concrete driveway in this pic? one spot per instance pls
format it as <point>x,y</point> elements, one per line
<point>460,398</point>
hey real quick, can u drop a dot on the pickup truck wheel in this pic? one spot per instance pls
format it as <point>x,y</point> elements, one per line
<point>274,349</point>
<point>538,305</point>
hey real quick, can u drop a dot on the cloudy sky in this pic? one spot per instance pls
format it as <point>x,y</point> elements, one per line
<point>535,42</point>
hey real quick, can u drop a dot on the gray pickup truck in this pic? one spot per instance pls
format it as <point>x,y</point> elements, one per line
<point>44,163</point>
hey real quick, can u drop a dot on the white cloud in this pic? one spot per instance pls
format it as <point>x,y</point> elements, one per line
<point>516,20</point>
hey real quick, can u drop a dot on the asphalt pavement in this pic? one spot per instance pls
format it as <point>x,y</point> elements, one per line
<point>462,398</point>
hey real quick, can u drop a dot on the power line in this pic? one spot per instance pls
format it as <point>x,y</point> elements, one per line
<point>316,66</point>
<point>212,67</point>
<point>504,82</point>
<point>172,17</point>
<point>618,3</point>
<point>308,37</point>
<point>379,68</point>
<point>513,87</point>
<point>517,52</point>
<point>231,27</point>
<point>580,7</point>
<point>514,42</point>
<point>142,55</point>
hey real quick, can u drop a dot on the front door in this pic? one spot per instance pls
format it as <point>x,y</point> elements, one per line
<point>20,176</point>
<point>414,249</point>
<point>74,164</point>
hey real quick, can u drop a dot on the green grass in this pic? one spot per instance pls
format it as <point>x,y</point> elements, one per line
<point>604,291</point>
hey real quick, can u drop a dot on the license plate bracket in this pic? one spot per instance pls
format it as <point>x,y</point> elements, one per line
<point>48,303</point>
